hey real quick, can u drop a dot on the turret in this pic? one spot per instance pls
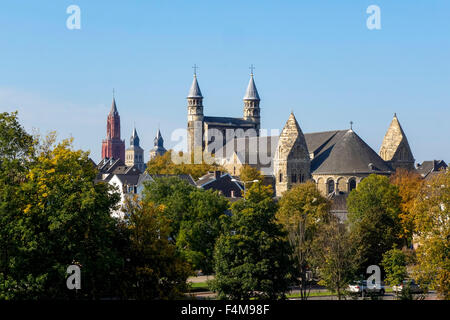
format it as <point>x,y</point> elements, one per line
<point>251,103</point>
<point>195,116</point>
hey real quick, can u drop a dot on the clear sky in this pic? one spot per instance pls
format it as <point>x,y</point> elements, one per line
<point>314,57</point>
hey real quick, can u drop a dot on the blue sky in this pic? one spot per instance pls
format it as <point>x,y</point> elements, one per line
<point>316,58</point>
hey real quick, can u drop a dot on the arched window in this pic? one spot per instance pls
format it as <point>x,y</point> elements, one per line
<point>330,186</point>
<point>281,177</point>
<point>294,178</point>
<point>351,185</point>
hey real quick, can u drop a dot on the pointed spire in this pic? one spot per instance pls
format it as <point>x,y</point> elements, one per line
<point>134,140</point>
<point>195,92</point>
<point>252,92</point>
<point>113,105</point>
<point>159,141</point>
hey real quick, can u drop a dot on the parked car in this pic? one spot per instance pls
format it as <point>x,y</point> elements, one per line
<point>360,287</point>
<point>413,286</point>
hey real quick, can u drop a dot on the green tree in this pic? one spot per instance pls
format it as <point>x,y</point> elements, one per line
<point>394,264</point>
<point>374,208</point>
<point>153,268</point>
<point>252,256</point>
<point>432,223</point>
<point>196,217</point>
<point>201,228</point>
<point>16,157</point>
<point>173,193</point>
<point>303,210</point>
<point>336,257</point>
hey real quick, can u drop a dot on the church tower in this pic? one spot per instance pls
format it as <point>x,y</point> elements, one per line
<point>158,149</point>
<point>113,147</point>
<point>395,148</point>
<point>251,104</point>
<point>134,155</point>
<point>195,117</point>
<point>292,161</point>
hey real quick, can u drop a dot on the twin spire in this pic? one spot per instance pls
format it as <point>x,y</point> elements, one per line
<point>250,94</point>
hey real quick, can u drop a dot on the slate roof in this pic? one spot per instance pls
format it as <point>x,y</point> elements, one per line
<point>347,153</point>
<point>220,181</point>
<point>109,165</point>
<point>129,179</point>
<point>426,168</point>
<point>195,92</point>
<point>252,92</point>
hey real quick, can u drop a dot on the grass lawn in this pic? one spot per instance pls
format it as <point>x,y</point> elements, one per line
<point>199,287</point>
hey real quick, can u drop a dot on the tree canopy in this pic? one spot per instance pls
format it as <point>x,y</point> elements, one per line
<point>373,215</point>
<point>252,255</point>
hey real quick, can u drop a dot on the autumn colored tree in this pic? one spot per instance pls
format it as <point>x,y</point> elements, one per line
<point>432,224</point>
<point>249,173</point>
<point>302,213</point>
<point>164,165</point>
<point>252,255</point>
<point>374,209</point>
<point>408,183</point>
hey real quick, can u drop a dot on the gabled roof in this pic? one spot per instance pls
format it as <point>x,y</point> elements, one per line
<point>108,165</point>
<point>223,183</point>
<point>347,154</point>
<point>252,92</point>
<point>195,92</point>
<point>128,179</point>
<point>428,167</point>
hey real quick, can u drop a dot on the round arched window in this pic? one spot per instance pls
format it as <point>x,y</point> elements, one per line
<point>351,185</point>
<point>331,186</point>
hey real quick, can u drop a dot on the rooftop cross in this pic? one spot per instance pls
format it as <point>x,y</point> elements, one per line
<point>195,67</point>
<point>252,68</point>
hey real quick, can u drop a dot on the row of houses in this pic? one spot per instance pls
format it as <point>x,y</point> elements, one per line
<point>130,181</point>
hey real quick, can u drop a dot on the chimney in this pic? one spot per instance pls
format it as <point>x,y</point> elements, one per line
<point>217,174</point>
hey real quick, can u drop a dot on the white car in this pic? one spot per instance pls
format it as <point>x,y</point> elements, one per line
<point>413,287</point>
<point>360,287</point>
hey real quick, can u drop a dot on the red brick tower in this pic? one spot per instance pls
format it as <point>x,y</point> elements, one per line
<point>112,146</point>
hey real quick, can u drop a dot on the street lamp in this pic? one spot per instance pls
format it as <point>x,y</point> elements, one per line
<point>244,182</point>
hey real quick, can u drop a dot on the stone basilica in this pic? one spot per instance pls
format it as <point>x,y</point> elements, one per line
<point>336,160</point>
